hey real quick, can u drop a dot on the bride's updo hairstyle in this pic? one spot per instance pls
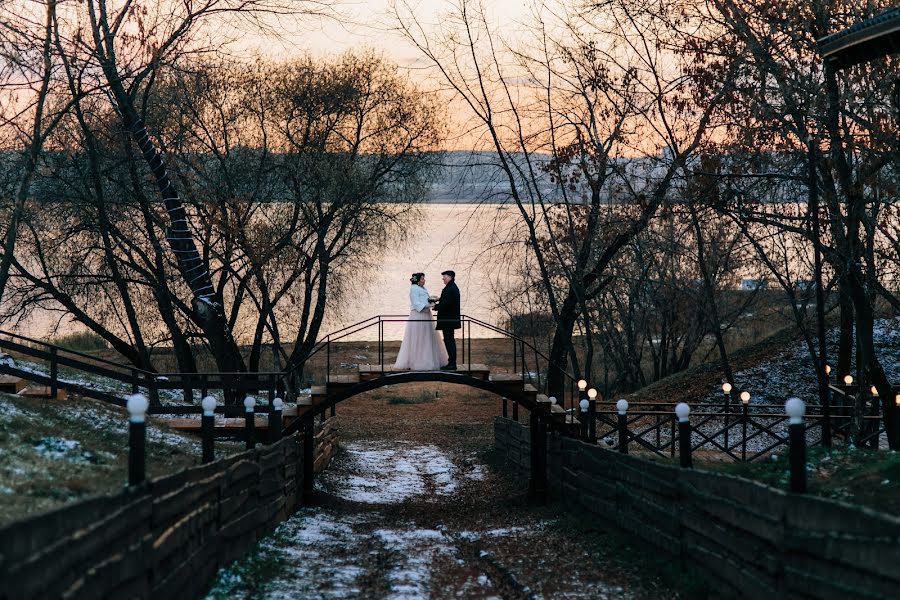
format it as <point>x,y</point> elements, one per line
<point>416,278</point>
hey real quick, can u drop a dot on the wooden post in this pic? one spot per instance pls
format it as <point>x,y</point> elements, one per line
<point>503,401</point>
<point>538,480</point>
<point>309,454</point>
<point>54,373</point>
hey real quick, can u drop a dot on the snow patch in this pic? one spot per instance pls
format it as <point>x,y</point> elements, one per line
<point>389,474</point>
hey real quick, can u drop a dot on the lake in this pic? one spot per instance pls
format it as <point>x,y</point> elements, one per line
<point>449,236</point>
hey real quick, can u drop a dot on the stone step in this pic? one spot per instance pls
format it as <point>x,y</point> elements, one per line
<point>343,380</point>
<point>12,384</point>
<point>41,391</point>
<point>232,424</point>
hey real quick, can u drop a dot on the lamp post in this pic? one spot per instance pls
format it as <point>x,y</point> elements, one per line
<point>683,412</point>
<point>207,428</point>
<point>592,415</point>
<point>137,405</point>
<point>275,420</point>
<point>726,391</point>
<point>795,409</point>
<point>582,390</point>
<point>582,417</point>
<point>622,410</point>
<point>250,421</point>
<point>745,407</point>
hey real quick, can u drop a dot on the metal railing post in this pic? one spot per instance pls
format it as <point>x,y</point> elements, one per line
<point>745,407</point>
<point>54,375</point>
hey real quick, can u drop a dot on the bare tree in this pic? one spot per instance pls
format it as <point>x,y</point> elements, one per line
<point>591,90</point>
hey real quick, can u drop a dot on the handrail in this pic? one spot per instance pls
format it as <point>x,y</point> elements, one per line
<point>330,337</point>
<point>130,368</point>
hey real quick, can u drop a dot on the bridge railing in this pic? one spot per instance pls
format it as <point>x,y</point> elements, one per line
<point>520,357</point>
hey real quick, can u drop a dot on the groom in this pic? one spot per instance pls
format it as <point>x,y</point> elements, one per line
<point>448,318</point>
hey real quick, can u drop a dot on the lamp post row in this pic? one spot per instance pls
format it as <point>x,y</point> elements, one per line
<point>794,407</point>
<point>137,405</point>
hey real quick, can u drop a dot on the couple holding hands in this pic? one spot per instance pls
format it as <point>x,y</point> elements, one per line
<point>421,348</point>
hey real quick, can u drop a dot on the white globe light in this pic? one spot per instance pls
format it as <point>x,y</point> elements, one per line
<point>622,406</point>
<point>726,387</point>
<point>584,405</point>
<point>137,405</point>
<point>848,379</point>
<point>592,394</point>
<point>582,384</point>
<point>209,406</point>
<point>552,399</point>
<point>278,404</point>
<point>682,411</point>
<point>745,397</point>
<point>795,409</point>
<point>249,403</point>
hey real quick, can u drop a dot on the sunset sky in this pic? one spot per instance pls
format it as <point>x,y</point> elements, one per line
<point>368,23</point>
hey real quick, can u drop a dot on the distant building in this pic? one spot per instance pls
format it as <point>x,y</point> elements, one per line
<point>748,284</point>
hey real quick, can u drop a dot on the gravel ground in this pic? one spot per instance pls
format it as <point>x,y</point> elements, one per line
<point>416,505</point>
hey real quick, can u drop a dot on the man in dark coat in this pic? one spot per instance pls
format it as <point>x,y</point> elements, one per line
<point>448,317</point>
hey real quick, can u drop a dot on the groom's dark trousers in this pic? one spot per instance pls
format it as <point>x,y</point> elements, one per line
<point>450,345</point>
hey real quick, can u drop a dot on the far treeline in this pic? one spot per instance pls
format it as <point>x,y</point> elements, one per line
<point>726,141</point>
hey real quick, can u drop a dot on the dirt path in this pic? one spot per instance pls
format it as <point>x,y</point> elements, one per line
<point>416,505</point>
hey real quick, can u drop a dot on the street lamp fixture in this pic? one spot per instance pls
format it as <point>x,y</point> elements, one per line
<point>828,369</point>
<point>582,385</point>
<point>726,388</point>
<point>795,409</point>
<point>584,405</point>
<point>874,390</point>
<point>848,379</point>
<point>552,400</point>
<point>745,397</point>
<point>592,394</point>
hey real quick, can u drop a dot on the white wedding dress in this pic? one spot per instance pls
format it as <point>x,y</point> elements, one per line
<point>422,348</point>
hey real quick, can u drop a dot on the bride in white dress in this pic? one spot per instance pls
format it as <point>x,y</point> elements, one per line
<point>421,348</point>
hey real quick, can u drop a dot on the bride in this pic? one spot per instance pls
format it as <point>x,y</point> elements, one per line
<point>421,348</point>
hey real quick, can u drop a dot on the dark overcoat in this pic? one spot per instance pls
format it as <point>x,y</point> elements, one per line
<point>448,316</point>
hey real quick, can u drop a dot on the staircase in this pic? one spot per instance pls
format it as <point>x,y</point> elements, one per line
<point>13,384</point>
